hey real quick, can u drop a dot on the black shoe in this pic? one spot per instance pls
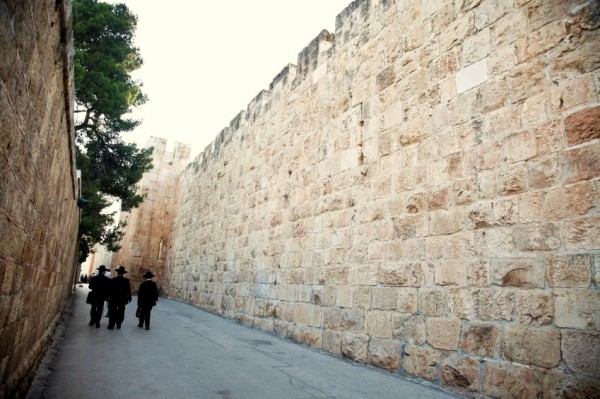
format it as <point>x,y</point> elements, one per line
<point>118,326</point>
<point>147,328</point>
<point>140,326</point>
<point>91,323</point>
<point>111,327</point>
<point>97,325</point>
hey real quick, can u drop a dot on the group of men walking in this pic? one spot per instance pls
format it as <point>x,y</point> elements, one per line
<point>117,291</point>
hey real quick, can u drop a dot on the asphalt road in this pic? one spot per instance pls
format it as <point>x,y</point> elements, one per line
<point>189,353</point>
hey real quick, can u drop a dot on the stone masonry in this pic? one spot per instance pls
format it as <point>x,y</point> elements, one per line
<point>419,193</point>
<point>147,237</point>
<point>38,184</point>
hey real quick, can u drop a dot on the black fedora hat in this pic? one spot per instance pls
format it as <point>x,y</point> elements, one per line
<point>102,268</point>
<point>148,274</point>
<point>121,270</point>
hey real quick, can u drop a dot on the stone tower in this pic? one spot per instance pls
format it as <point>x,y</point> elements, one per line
<point>147,237</point>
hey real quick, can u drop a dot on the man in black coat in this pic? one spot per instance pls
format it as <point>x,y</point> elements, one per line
<point>120,295</point>
<point>147,298</point>
<point>99,284</point>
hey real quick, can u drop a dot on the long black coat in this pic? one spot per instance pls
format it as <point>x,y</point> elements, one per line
<point>100,286</point>
<point>148,294</point>
<point>120,290</point>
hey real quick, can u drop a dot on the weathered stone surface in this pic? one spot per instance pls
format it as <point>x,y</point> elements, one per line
<point>355,347</point>
<point>384,298</point>
<point>558,385</point>
<point>576,308</point>
<point>583,126</point>
<point>413,274</point>
<point>543,237</point>
<point>420,362</point>
<point>332,342</point>
<point>432,302</point>
<point>580,201</point>
<point>543,172</point>
<point>481,339</point>
<point>581,233</point>
<point>446,222</point>
<point>519,272</point>
<point>495,304</point>
<point>451,273</point>
<point>384,354</point>
<point>581,352</point>
<point>512,179</point>
<point>569,271</point>
<point>409,328</point>
<point>505,380</point>
<point>535,307</point>
<point>581,163</point>
<point>38,184</point>
<point>461,372</point>
<point>533,346</point>
<point>461,303</point>
<point>379,324</point>
<point>443,332</point>
<point>520,146</point>
<point>352,320</point>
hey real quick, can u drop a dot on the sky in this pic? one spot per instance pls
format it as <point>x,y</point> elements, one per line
<point>205,61</point>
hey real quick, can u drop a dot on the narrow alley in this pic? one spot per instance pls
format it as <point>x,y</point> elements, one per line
<point>189,353</point>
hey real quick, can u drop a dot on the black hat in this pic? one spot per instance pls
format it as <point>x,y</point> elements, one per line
<point>121,270</point>
<point>102,268</point>
<point>148,274</point>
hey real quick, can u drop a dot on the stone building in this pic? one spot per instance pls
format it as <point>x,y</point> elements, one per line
<point>147,236</point>
<point>38,183</point>
<point>420,192</point>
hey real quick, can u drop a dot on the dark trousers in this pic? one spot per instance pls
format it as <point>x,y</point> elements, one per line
<point>96,312</point>
<point>145,315</point>
<point>116,313</point>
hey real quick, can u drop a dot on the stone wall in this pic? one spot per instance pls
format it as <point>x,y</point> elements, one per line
<point>38,183</point>
<point>147,236</point>
<point>419,193</point>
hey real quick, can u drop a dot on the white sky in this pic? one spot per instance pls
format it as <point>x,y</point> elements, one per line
<point>204,61</point>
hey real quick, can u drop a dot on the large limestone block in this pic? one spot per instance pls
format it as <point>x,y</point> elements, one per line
<point>481,339</point>
<point>569,271</point>
<point>583,126</point>
<point>495,304</point>
<point>378,323</point>
<point>535,307</point>
<point>508,380</point>
<point>518,272</point>
<point>409,328</point>
<point>355,347</point>
<point>581,352</point>
<point>443,332</point>
<point>577,308</point>
<point>421,362</point>
<point>384,354</point>
<point>558,385</point>
<point>532,345</point>
<point>461,372</point>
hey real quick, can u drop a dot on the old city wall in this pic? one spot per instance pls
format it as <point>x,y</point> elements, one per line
<point>147,235</point>
<point>38,187</point>
<point>419,193</point>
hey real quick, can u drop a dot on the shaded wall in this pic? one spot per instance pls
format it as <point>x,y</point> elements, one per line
<point>147,235</point>
<point>38,184</point>
<point>419,193</point>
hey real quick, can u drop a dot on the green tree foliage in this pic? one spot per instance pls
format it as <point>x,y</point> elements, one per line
<point>104,93</point>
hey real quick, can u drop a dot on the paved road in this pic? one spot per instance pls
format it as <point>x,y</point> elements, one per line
<point>189,353</point>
